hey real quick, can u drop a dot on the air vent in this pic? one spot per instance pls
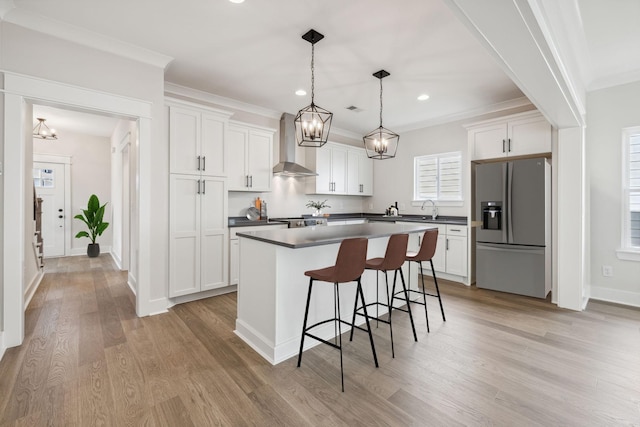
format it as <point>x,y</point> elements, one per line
<point>354,108</point>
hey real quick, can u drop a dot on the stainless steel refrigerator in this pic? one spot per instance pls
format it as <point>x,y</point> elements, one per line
<point>513,244</point>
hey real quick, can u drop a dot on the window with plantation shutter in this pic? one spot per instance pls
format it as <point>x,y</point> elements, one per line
<point>632,189</point>
<point>438,177</point>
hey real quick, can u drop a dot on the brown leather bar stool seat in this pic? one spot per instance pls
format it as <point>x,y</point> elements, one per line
<point>425,253</point>
<point>349,267</point>
<point>393,260</point>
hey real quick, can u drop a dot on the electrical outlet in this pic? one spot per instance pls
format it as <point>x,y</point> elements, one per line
<point>607,271</point>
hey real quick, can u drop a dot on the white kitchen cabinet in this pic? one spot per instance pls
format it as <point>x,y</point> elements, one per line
<point>359,173</point>
<point>330,163</point>
<point>440,257</point>
<point>456,250</point>
<point>198,254</point>
<point>234,248</point>
<point>197,140</point>
<point>250,156</point>
<point>516,135</point>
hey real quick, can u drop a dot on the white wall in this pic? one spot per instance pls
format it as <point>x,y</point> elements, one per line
<point>31,264</point>
<point>609,111</point>
<point>90,174</point>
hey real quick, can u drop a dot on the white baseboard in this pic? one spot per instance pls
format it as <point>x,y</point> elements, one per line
<point>158,306</point>
<point>3,347</point>
<point>116,259</point>
<point>83,251</point>
<point>32,288</point>
<point>133,283</point>
<point>615,296</point>
<point>202,295</point>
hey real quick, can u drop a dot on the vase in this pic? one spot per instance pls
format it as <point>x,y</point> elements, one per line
<point>93,250</point>
<point>318,212</point>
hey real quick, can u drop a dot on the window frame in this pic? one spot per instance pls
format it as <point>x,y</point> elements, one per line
<point>627,251</point>
<point>417,201</point>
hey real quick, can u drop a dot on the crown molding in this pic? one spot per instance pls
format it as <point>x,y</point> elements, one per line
<point>82,36</point>
<point>614,80</point>
<point>173,89</point>
<point>6,6</point>
<point>475,112</point>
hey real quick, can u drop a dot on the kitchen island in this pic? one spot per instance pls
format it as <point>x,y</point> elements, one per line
<point>272,287</point>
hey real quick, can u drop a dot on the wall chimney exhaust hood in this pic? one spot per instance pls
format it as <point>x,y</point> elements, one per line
<point>288,165</point>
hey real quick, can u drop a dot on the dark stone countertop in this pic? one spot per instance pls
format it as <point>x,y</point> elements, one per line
<point>455,220</point>
<point>241,221</point>
<point>295,238</point>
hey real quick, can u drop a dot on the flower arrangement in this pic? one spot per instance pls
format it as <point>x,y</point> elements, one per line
<point>317,205</point>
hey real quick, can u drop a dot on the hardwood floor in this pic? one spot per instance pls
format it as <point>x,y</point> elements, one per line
<point>499,359</point>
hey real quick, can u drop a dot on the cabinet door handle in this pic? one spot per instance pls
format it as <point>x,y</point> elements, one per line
<point>503,142</point>
<point>246,180</point>
<point>204,163</point>
<point>198,162</point>
<point>198,186</point>
<point>454,229</point>
<point>447,247</point>
<point>419,241</point>
<point>204,186</point>
<point>509,144</point>
<point>251,181</point>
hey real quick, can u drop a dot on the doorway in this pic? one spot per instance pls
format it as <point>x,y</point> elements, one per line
<point>19,91</point>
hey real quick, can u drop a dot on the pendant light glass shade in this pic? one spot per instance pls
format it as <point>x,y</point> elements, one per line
<point>381,143</point>
<point>42,131</point>
<point>313,122</point>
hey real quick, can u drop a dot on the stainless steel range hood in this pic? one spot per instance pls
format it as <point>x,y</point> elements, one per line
<point>288,165</point>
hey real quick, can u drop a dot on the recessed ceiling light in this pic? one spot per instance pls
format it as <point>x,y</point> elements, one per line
<point>301,92</point>
<point>236,1</point>
<point>423,97</point>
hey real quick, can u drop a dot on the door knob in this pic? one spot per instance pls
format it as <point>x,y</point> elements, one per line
<point>60,216</point>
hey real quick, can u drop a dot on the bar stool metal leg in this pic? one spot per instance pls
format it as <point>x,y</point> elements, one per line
<point>366,317</point>
<point>304,324</point>
<point>390,308</point>
<point>437,291</point>
<point>424,293</point>
<point>406,297</point>
<point>339,322</point>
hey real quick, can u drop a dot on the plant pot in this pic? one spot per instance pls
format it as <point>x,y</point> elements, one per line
<point>93,250</point>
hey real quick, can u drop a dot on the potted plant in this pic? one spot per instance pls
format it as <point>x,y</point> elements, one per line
<point>317,205</point>
<point>92,217</point>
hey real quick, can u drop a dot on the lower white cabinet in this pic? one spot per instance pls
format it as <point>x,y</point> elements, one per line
<point>234,248</point>
<point>198,255</point>
<point>451,249</point>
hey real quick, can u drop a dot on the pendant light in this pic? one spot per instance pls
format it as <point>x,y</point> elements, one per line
<point>381,143</point>
<point>312,122</point>
<point>42,131</point>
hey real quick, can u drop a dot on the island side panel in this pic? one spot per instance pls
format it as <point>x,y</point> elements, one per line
<point>255,322</point>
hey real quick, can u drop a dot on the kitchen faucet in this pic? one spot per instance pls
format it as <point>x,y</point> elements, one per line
<point>434,209</point>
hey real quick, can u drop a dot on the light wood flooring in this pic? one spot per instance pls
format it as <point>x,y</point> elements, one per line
<point>499,359</point>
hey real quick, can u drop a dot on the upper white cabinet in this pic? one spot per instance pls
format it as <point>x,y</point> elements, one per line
<point>517,135</point>
<point>359,173</point>
<point>330,163</point>
<point>341,169</point>
<point>197,140</point>
<point>250,154</point>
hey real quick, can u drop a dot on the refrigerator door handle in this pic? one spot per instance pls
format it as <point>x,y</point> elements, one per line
<point>510,248</point>
<point>510,203</point>
<point>505,212</point>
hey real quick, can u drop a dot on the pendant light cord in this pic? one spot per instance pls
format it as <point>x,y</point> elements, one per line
<point>312,72</point>
<point>380,102</point>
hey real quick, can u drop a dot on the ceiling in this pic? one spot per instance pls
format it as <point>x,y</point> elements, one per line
<point>253,52</point>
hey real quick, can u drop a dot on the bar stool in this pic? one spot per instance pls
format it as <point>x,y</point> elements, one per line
<point>349,267</point>
<point>425,253</point>
<point>393,260</point>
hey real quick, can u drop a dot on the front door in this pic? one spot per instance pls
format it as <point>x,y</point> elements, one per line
<point>48,179</point>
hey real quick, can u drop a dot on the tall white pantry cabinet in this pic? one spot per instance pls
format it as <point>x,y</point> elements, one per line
<point>198,255</point>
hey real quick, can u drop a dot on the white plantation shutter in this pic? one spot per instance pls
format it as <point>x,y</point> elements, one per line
<point>438,177</point>
<point>634,190</point>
